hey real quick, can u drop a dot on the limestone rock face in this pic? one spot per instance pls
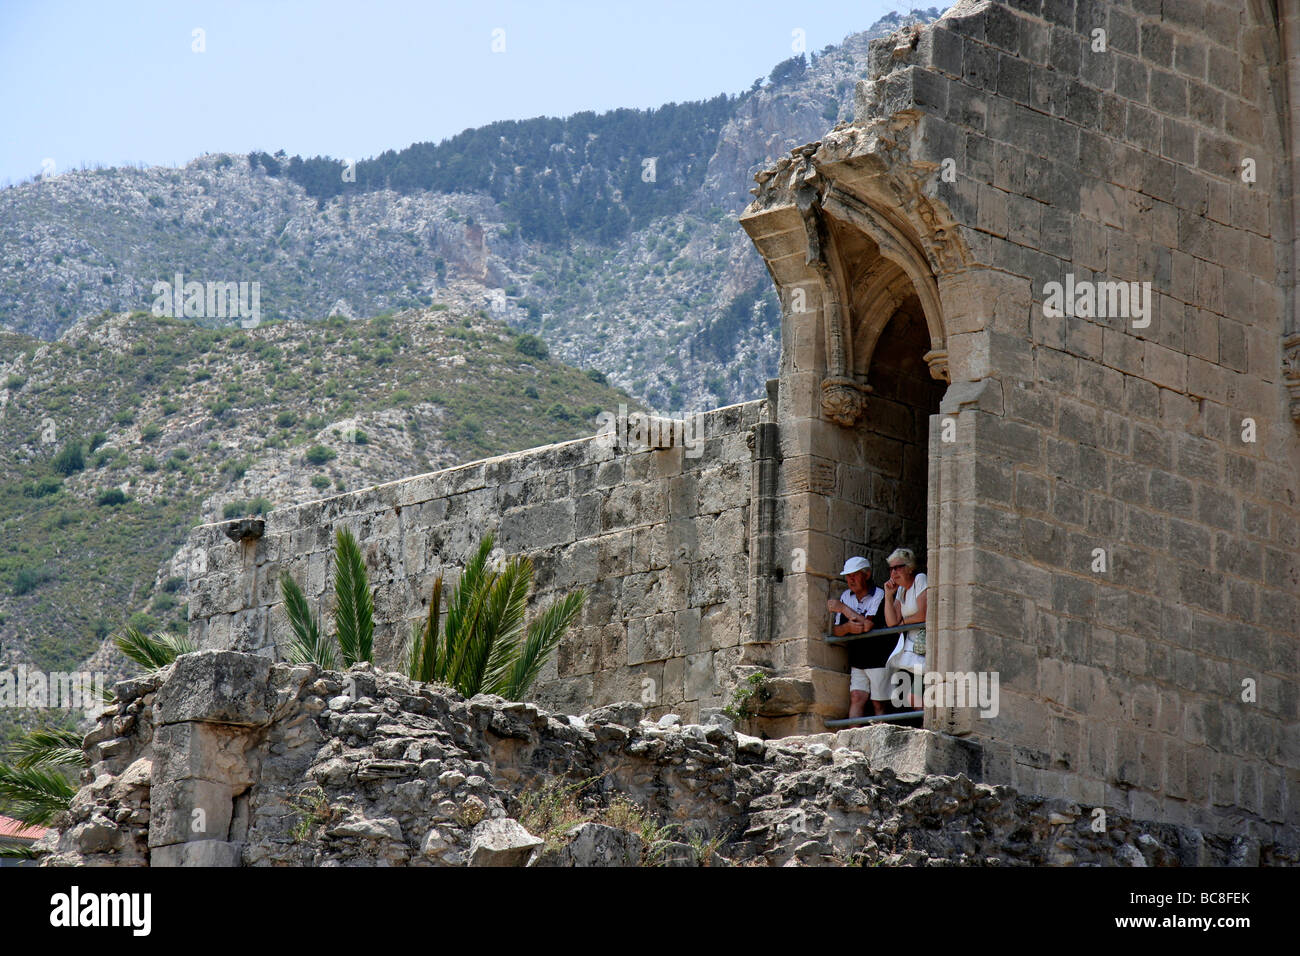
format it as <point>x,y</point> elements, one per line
<point>428,778</point>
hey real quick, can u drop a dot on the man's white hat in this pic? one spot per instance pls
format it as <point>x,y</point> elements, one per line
<point>855,564</point>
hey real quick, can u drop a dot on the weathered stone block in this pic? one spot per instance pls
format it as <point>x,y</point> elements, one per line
<point>912,753</point>
<point>194,749</point>
<point>184,810</point>
<point>218,686</point>
<point>205,853</point>
<point>651,639</point>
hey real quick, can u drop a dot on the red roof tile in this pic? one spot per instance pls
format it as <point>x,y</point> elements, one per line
<point>11,828</point>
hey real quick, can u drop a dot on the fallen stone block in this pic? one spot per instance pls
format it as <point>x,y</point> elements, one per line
<point>502,842</point>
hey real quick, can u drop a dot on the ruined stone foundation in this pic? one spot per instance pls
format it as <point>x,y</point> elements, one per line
<point>226,759</point>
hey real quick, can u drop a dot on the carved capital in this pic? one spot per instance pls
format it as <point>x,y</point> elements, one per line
<point>1291,371</point>
<point>844,401</point>
<point>937,359</point>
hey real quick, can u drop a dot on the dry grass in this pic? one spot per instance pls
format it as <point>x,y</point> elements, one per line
<point>551,810</point>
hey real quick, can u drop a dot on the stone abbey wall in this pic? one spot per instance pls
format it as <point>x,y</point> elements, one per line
<point>659,538</point>
<point>994,153</point>
<point>1100,433</point>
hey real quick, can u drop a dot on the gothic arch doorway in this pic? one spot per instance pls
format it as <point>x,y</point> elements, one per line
<point>863,371</point>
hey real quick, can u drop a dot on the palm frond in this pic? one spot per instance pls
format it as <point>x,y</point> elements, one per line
<point>423,651</point>
<point>354,609</point>
<point>48,747</point>
<point>544,635</point>
<point>462,633</point>
<point>309,646</point>
<point>34,796</point>
<point>468,645</point>
<point>503,618</point>
<point>152,651</point>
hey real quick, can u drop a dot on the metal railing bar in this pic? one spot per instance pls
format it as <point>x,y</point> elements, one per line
<point>873,719</point>
<point>877,632</point>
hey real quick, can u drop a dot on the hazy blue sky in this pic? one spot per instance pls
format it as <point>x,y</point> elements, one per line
<point>115,82</point>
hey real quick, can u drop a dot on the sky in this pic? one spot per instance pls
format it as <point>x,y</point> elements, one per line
<point>159,83</point>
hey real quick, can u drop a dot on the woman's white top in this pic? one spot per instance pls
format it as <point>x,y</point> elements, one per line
<point>907,598</point>
<point>903,657</point>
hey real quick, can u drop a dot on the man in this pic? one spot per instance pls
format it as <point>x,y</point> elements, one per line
<point>859,610</point>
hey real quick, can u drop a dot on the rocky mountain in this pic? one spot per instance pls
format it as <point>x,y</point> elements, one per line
<point>614,237</point>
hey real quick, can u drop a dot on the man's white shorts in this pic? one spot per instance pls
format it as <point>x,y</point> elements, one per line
<point>875,680</point>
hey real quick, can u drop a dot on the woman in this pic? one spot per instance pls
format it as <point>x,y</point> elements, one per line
<point>905,603</point>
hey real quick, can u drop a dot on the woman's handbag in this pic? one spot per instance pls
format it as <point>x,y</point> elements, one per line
<point>907,655</point>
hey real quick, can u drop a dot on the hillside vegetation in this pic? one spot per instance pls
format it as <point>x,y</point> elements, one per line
<point>130,429</point>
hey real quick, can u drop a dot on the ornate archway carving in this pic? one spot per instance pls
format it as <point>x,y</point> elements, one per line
<point>866,267</point>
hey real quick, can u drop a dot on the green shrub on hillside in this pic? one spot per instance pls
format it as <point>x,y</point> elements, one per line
<point>29,579</point>
<point>69,460</point>
<point>239,509</point>
<point>42,487</point>
<point>142,622</point>
<point>532,346</point>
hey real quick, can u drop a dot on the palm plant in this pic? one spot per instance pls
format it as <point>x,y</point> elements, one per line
<point>483,645</point>
<point>152,651</point>
<point>354,612</point>
<point>34,788</point>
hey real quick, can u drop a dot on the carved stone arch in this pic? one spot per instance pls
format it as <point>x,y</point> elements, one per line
<point>880,293</point>
<point>895,245</point>
<point>831,210</point>
<point>868,266</point>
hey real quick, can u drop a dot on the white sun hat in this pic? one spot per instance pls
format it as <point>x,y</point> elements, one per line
<point>855,564</point>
